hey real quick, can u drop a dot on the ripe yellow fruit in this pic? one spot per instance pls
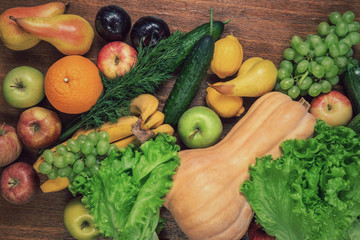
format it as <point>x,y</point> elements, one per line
<point>228,56</point>
<point>225,106</point>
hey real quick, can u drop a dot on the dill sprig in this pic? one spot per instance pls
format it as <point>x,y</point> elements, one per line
<point>154,66</point>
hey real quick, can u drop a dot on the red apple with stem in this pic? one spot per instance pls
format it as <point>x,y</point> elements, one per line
<point>38,127</point>
<point>19,183</point>
<point>116,58</point>
<point>333,107</point>
<point>10,145</point>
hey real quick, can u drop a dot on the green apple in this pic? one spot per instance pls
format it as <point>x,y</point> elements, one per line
<point>78,221</point>
<point>199,127</point>
<point>23,87</point>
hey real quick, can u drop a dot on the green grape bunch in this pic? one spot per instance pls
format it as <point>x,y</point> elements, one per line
<point>80,155</point>
<point>313,66</point>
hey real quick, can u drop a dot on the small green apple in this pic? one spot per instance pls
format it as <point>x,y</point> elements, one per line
<point>23,87</point>
<point>199,127</point>
<point>78,221</point>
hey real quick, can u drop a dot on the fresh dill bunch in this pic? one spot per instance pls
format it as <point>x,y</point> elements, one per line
<point>154,66</point>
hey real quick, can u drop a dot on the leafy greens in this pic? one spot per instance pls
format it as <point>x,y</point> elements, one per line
<point>125,195</point>
<point>313,190</point>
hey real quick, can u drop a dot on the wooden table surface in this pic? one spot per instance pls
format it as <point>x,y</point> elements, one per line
<point>264,28</point>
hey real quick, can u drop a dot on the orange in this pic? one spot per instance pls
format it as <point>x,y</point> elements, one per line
<point>73,84</point>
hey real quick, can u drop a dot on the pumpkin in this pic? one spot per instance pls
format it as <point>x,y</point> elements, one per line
<point>205,199</point>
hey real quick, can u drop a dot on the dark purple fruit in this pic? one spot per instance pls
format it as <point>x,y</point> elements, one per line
<point>112,23</point>
<point>149,30</point>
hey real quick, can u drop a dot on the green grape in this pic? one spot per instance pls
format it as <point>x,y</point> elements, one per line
<point>312,64</point>
<point>73,145</point>
<point>94,169</point>
<point>324,28</point>
<point>94,152</point>
<point>334,50</point>
<point>350,53</point>
<point>315,40</point>
<point>327,63</point>
<point>325,86</point>
<point>283,73</point>
<point>346,40</point>
<point>332,29</point>
<point>302,66</point>
<point>335,17</point>
<point>319,59</point>
<point>69,158</point>
<point>286,83</point>
<point>311,53</point>
<point>289,53</point>
<point>333,80</point>
<point>87,172</point>
<point>78,166</point>
<point>81,138</point>
<point>295,41</point>
<point>354,37</point>
<point>277,86</point>
<point>318,71</point>
<point>61,149</point>
<point>341,70</point>
<point>294,92</point>
<point>90,160</point>
<point>332,72</point>
<point>53,174</point>
<point>64,172</point>
<point>287,65</point>
<point>106,136</point>
<point>87,147</point>
<point>49,156</point>
<point>45,168</point>
<point>331,38</point>
<point>102,147</point>
<point>341,29</point>
<point>305,83</point>
<point>115,148</point>
<point>341,61</point>
<point>320,49</point>
<point>354,27</point>
<point>315,89</point>
<point>93,136</point>
<point>60,162</point>
<point>298,58</point>
<point>348,17</point>
<point>303,48</point>
<point>343,48</point>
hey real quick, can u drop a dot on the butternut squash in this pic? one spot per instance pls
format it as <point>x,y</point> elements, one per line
<point>205,199</point>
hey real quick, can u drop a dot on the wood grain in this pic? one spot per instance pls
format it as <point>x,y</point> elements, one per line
<point>264,28</point>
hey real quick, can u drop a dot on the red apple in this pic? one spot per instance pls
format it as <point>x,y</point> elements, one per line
<point>19,183</point>
<point>333,107</point>
<point>10,145</point>
<point>38,127</point>
<point>116,58</point>
<point>256,232</point>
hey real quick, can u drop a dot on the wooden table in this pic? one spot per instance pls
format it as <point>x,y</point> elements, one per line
<point>264,28</point>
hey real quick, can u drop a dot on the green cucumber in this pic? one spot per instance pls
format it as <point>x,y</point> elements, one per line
<point>355,124</point>
<point>352,85</point>
<point>190,38</point>
<point>189,79</point>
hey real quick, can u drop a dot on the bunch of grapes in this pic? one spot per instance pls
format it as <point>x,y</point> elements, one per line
<point>313,66</point>
<point>82,154</point>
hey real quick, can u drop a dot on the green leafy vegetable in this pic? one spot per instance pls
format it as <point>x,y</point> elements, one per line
<point>125,195</point>
<point>313,190</point>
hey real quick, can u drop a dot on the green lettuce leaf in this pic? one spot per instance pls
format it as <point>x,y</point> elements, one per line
<point>313,190</point>
<point>126,193</point>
